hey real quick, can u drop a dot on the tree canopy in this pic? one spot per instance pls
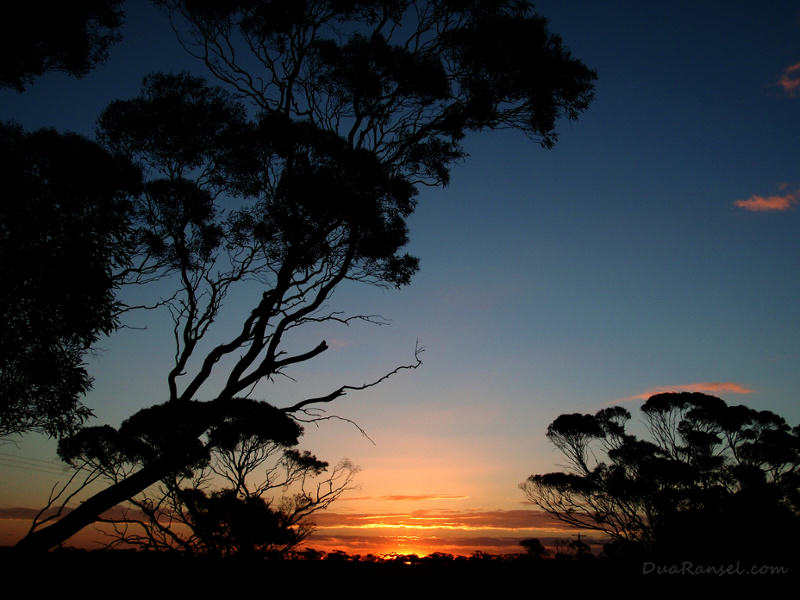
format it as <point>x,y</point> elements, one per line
<point>404,79</point>
<point>73,37</point>
<point>297,175</point>
<point>64,239</point>
<point>712,480</point>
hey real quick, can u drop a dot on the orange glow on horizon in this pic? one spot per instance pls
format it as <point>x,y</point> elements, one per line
<point>400,498</point>
<point>450,526</point>
<point>390,535</point>
<point>460,533</point>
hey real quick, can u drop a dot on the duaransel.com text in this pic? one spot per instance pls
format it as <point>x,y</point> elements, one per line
<point>690,568</point>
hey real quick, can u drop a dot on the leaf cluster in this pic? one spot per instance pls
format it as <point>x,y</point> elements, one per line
<point>405,79</point>
<point>168,434</point>
<point>295,194</point>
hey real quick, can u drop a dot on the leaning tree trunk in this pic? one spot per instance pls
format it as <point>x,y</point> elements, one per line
<point>48,537</point>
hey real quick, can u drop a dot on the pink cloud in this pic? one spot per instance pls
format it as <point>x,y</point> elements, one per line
<point>790,79</point>
<point>709,387</point>
<point>757,203</point>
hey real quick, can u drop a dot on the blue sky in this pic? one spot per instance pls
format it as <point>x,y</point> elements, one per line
<point>551,281</point>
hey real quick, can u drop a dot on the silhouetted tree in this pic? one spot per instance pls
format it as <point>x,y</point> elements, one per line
<point>248,492</point>
<point>565,549</point>
<point>70,36</point>
<point>438,558</point>
<point>65,247</point>
<point>352,105</point>
<point>534,548</point>
<point>690,490</point>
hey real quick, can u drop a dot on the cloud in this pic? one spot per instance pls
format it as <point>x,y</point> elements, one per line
<point>424,532</point>
<point>713,387</point>
<point>790,80</point>
<point>420,532</point>
<point>27,514</point>
<point>381,545</point>
<point>415,498</point>
<point>472,520</point>
<point>757,203</point>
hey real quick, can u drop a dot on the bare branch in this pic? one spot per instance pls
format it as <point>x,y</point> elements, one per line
<point>47,514</point>
<point>418,350</point>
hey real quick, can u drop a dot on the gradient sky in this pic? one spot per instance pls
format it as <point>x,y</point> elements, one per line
<point>656,247</point>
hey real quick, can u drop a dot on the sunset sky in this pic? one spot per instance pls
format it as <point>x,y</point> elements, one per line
<point>656,247</point>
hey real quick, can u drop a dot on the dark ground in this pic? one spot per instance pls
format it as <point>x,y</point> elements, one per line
<point>123,574</point>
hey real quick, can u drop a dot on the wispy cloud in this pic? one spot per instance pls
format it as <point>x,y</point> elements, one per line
<point>458,545</point>
<point>420,532</point>
<point>20,513</point>
<point>710,387</point>
<point>470,520</point>
<point>757,203</point>
<point>413,498</point>
<point>28,514</point>
<point>790,80</point>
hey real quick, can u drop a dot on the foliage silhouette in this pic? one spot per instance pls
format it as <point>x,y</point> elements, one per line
<point>269,489</point>
<point>690,491</point>
<point>534,548</point>
<point>72,37</point>
<point>64,243</point>
<point>351,106</point>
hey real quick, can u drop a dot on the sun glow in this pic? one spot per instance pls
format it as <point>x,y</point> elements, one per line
<point>408,545</point>
<point>405,556</point>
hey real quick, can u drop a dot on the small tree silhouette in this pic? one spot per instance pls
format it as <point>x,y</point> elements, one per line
<point>534,548</point>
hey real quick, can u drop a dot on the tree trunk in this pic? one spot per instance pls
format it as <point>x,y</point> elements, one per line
<point>48,537</point>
